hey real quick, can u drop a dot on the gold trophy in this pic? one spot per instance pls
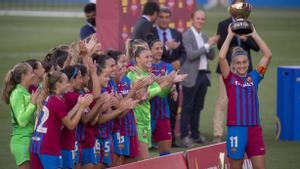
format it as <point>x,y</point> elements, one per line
<point>240,11</point>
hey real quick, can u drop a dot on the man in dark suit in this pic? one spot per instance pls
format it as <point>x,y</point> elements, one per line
<point>173,53</point>
<point>90,27</point>
<point>247,43</point>
<point>173,50</point>
<point>143,27</point>
<point>199,50</point>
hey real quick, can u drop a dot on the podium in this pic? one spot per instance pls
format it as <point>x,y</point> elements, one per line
<point>288,103</point>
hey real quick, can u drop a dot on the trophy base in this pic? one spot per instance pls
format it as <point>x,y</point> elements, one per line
<point>241,27</point>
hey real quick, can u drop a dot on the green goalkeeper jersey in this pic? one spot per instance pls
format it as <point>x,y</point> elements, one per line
<point>142,110</point>
<point>22,115</point>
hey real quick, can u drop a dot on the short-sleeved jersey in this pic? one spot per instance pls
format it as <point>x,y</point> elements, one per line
<point>46,136</point>
<point>89,136</point>
<point>126,124</point>
<point>67,139</point>
<point>86,133</point>
<point>243,104</point>
<point>105,129</point>
<point>159,105</point>
<point>142,110</point>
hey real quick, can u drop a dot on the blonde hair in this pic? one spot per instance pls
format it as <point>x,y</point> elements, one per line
<point>12,78</point>
<point>132,45</point>
<point>48,86</point>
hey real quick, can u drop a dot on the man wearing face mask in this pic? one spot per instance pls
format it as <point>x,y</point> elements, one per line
<point>90,27</point>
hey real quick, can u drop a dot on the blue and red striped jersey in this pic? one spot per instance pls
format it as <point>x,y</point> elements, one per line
<point>47,132</point>
<point>243,104</point>
<point>105,129</point>
<point>126,124</point>
<point>159,105</point>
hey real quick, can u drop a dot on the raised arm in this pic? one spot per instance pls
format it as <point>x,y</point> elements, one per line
<point>95,79</point>
<point>224,65</point>
<point>267,54</point>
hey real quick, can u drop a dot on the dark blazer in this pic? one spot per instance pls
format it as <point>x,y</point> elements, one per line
<point>86,31</point>
<point>142,29</point>
<point>176,54</point>
<point>247,46</point>
<point>193,53</point>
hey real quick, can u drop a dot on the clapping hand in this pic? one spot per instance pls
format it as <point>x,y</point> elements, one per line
<point>177,77</point>
<point>213,40</point>
<point>171,45</point>
<point>86,100</point>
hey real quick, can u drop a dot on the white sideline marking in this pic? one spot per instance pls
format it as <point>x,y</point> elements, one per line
<point>42,13</point>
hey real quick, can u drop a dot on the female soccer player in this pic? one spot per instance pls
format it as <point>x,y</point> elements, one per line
<point>160,111</point>
<point>143,59</point>
<point>70,139</point>
<point>52,113</point>
<point>23,105</point>
<point>109,112</point>
<point>244,130</point>
<point>125,134</point>
<point>38,71</point>
<point>90,148</point>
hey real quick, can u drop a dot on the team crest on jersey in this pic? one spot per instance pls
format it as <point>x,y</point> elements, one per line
<point>249,79</point>
<point>233,150</point>
<point>121,146</point>
<point>144,134</point>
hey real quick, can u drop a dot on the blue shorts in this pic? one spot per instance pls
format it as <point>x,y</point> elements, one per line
<point>244,139</point>
<point>105,151</point>
<point>50,162</point>
<point>88,156</point>
<point>68,158</point>
<point>121,144</point>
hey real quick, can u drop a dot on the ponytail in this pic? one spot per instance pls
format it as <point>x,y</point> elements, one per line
<point>132,45</point>
<point>128,48</point>
<point>12,78</point>
<point>8,86</point>
<point>48,87</point>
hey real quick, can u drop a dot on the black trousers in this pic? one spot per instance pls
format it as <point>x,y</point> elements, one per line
<point>193,102</point>
<point>173,105</point>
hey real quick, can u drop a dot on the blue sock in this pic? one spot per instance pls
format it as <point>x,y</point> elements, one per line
<point>164,153</point>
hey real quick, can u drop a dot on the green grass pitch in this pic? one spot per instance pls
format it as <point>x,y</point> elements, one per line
<point>31,37</point>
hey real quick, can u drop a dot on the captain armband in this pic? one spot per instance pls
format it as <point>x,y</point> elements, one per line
<point>261,70</point>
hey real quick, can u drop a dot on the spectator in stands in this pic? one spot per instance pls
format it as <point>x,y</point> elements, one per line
<point>90,27</point>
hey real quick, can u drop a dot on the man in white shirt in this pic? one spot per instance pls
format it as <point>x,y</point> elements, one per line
<point>199,49</point>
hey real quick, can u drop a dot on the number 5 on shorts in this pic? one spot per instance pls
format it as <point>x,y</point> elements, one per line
<point>106,146</point>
